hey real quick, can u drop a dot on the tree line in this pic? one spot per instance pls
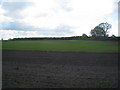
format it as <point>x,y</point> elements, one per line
<point>100,32</point>
<point>83,37</point>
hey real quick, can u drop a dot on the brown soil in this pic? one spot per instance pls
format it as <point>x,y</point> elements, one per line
<point>36,69</point>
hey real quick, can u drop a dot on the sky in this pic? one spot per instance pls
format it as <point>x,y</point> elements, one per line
<point>55,18</point>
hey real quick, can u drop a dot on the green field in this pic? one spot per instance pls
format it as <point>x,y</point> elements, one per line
<point>61,45</point>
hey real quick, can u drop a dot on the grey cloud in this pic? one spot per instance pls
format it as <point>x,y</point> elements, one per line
<point>18,26</point>
<point>13,8</point>
<point>58,31</point>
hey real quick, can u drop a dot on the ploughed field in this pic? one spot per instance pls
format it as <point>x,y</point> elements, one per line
<point>41,69</point>
<point>59,64</point>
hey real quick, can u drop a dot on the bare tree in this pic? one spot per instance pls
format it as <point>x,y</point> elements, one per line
<point>101,30</point>
<point>105,26</point>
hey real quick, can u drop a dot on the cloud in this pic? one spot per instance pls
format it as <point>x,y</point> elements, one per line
<point>82,13</point>
<point>58,17</point>
<point>7,34</point>
<point>59,31</point>
<point>16,25</point>
<point>14,8</point>
<point>4,20</point>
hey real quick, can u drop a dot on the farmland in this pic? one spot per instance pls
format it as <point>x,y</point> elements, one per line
<point>61,45</point>
<point>59,64</point>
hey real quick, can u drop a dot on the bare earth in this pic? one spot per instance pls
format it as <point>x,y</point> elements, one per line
<point>37,69</point>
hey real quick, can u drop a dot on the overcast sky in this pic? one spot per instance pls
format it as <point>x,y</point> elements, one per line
<point>41,18</point>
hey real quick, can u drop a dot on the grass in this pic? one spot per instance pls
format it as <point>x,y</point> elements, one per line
<point>61,45</point>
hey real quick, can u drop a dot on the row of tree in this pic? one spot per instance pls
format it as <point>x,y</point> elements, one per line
<point>100,32</point>
<point>83,37</point>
